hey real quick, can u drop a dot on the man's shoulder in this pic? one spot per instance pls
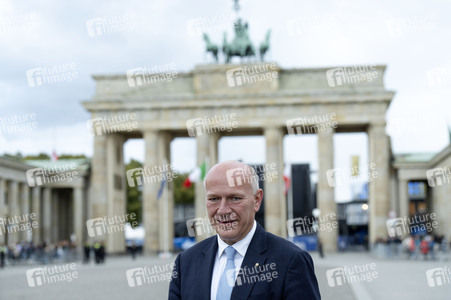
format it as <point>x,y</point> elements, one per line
<point>278,244</point>
<point>199,247</point>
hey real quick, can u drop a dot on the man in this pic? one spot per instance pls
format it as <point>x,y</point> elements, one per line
<point>242,261</point>
<point>2,256</point>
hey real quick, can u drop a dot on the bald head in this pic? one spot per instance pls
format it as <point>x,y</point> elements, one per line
<point>236,173</point>
<point>233,198</point>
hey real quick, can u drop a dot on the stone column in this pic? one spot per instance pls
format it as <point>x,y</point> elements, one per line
<point>379,202</point>
<point>36,208</point>
<point>325,192</point>
<point>78,216</point>
<point>47,214</point>
<point>440,199</point>
<point>207,151</point>
<point>166,200</point>
<point>24,207</point>
<point>283,203</point>
<point>2,210</point>
<point>403,202</point>
<point>150,190</point>
<point>213,149</point>
<point>116,205</point>
<point>55,217</point>
<point>99,189</point>
<point>13,203</point>
<point>275,210</point>
<point>203,155</point>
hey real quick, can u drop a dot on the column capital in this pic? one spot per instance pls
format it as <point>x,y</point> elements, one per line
<point>273,132</point>
<point>326,132</point>
<point>273,127</point>
<point>150,131</point>
<point>377,126</point>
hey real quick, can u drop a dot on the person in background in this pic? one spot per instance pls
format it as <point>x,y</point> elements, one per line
<point>2,256</point>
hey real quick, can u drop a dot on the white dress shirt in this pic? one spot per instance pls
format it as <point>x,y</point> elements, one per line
<point>221,258</point>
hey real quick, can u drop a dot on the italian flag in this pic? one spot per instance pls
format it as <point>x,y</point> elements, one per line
<point>198,174</point>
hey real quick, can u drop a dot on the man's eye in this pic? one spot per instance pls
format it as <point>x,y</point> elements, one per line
<point>213,199</point>
<point>236,198</point>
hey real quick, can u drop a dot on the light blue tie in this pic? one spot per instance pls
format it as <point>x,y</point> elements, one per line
<point>224,288</point>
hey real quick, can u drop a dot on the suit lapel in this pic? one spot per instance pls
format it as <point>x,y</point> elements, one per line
<point>255,254</point>
<point>206,263</point>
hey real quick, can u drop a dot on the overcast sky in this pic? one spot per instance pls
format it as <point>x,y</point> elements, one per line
<point>410,37</point>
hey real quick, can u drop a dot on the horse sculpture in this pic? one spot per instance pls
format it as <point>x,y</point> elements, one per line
<point>264,46</point>
<point>211,47</point>
<point>241,46</point>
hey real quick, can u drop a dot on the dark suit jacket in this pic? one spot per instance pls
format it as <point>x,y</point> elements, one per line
<point>295,274</point>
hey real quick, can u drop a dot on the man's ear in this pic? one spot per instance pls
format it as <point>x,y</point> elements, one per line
<point>258,198</point>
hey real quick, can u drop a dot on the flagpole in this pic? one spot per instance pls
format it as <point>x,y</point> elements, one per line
<point>166,217</point>
<point>165,196</point>
<point>290,195</point>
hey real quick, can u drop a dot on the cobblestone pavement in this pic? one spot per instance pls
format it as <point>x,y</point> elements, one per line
<point>395,279</point>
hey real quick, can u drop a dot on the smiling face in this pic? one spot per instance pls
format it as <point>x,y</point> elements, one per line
<point>231,205</point>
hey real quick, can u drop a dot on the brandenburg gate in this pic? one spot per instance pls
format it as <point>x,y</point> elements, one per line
<point>161,105</point>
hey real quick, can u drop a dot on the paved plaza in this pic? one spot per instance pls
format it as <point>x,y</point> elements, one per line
<point>396,279</point>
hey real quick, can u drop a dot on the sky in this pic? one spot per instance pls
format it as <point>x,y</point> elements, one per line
<point>410,37</point>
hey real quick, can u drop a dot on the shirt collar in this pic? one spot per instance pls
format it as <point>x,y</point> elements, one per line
<point>240,246</point>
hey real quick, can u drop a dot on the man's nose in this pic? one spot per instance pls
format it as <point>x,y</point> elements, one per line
<point>224,207</point>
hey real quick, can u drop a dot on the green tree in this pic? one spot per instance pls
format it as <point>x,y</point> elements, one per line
<point>40,156</point>
<point>183,195</point>
<point>70,156</point>
<point>18,156</point>
<point>134,195</point>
